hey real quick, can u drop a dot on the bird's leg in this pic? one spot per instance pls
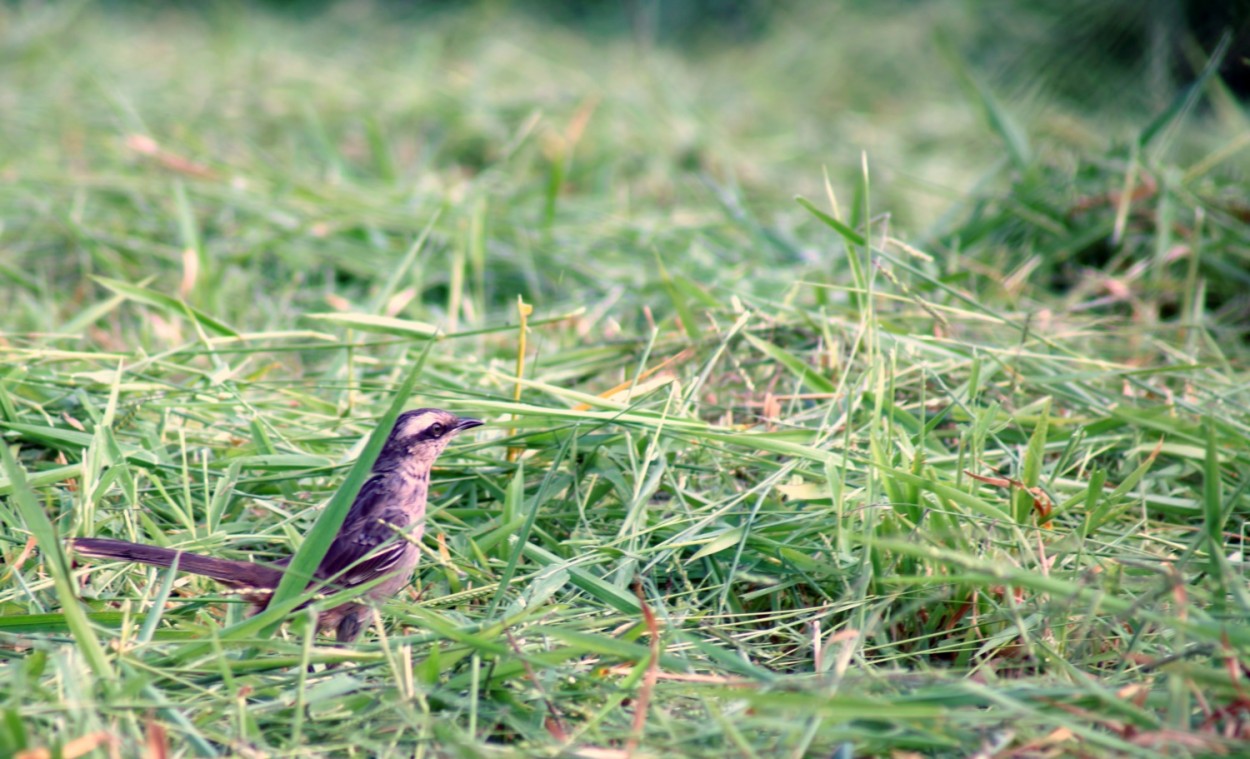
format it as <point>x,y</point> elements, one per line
<point>350,626</point>
<point>348,629</point>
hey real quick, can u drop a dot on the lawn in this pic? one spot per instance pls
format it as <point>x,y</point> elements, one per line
<point>849,391</point>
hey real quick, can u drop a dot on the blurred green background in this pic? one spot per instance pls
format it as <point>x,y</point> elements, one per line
<point>586,134</point>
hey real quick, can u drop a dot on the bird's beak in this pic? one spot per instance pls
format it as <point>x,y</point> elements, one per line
<point>465,423</point>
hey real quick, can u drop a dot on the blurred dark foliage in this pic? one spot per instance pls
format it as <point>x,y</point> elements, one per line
<point>1208,20</point>
<point>1112,53</point>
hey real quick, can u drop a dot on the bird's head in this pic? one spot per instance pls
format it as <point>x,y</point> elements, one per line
<point>419,436</point>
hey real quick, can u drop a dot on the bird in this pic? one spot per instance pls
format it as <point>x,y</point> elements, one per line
<point>378,537</point>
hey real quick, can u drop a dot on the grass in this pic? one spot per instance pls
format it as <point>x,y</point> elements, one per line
<point>949,457</point>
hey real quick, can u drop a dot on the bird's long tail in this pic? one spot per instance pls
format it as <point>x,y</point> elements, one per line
<point>238,574</point>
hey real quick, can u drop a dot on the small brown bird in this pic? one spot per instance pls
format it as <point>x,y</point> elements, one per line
<point>377,539</point>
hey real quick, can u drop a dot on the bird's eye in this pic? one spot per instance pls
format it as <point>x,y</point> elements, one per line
<point>435,430</point>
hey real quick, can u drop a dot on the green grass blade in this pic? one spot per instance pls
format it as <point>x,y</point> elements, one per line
<point>1213,514</point>
<point>814,380</point>
<point>171,306</point>
<point>852,238</point>
<point>1186,98</point>
<point>54,559</point>
<point>385,325</point>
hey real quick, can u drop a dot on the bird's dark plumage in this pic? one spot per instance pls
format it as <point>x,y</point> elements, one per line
<point>378,538</point>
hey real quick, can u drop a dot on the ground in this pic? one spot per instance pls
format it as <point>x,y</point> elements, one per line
<point>849,391</point>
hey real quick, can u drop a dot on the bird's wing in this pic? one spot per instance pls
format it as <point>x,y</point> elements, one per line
<point>372,540</point>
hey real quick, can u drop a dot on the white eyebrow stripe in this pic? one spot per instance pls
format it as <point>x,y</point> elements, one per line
<point>416,425</point>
